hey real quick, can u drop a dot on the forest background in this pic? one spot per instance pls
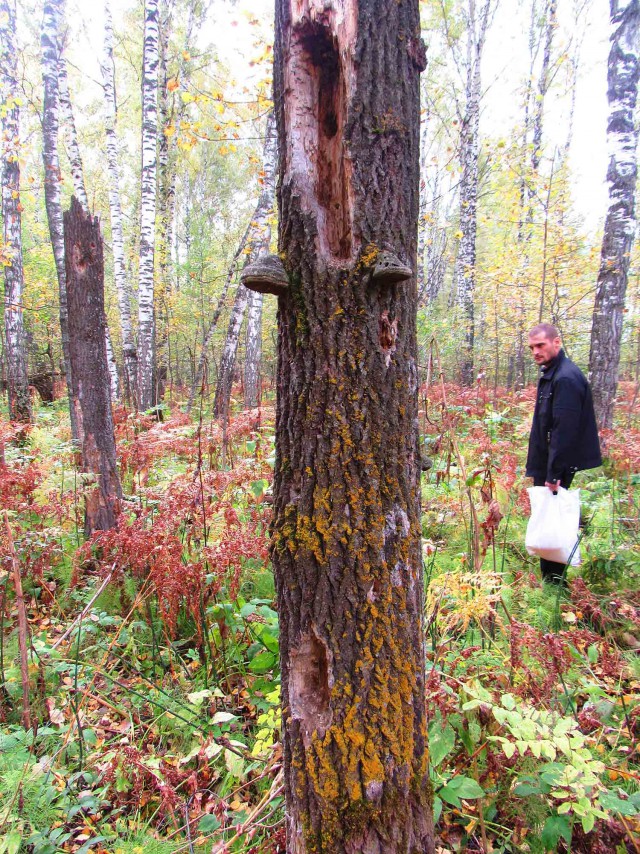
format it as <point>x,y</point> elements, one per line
<point>151,659</point>
<point>221,102</point>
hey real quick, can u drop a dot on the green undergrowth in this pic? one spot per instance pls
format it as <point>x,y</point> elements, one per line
<point>154,655</point>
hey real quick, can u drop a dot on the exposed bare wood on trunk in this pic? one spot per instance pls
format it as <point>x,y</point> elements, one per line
<point>346,530</point>
<point>620,223</point>
<point>123,289</point>
<point>90,373</point>
<point>15,342</point>
<point>51,51</point>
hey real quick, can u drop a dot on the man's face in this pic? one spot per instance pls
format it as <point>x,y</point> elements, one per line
<point>544,349</point>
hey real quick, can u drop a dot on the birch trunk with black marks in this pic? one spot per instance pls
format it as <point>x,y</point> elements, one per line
<point>465,266</point>
<point>544,80</point>
<point>206,343</point>
<point>15,341</point>
<point>172,109</point>
<point>90,373</point>
<point>619,228</point>
<point>51,52</point>
<point>253,352</point>
<point>346,528</point>
<point>123,289</point>
<point>148,192</point>
<point>258,241</point>
<point>222,398</point>
<point>253,340</point>
<point>73,149</point>
<point>77,175</point>
<point>423,215</point>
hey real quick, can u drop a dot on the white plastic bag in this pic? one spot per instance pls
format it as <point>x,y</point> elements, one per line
<point>552,532</point>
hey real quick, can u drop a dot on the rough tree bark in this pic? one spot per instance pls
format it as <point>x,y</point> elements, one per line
<point>619,228</point>
<point>465,266</point>
<point>129,354</point>
<point>15,342</point>
<point>146,315</point>
<point>51,49</point>
<point>77,175</point>
<point>258,241</point>
<point>346,529</point>
<point>90,373</point>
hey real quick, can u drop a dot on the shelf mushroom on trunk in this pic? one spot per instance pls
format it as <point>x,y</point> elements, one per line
<point>266,276</point>
<point>388,269</point>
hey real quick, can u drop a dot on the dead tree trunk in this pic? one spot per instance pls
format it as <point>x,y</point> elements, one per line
<point>346,530</point>
<point>89,370</point>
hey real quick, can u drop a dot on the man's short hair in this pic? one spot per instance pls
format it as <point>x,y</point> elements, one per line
<point>547,329</point>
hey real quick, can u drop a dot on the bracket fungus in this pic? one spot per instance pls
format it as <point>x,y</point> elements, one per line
<point>389,269</point>
<point>266,275</point>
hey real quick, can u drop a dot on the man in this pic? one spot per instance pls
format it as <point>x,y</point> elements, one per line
<point>564,434</point>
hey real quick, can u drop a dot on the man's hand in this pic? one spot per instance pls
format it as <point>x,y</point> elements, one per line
<point>553,485</point>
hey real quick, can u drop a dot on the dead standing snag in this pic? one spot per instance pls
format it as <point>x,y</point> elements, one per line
<point>346,530</point>
<point>90,390</point>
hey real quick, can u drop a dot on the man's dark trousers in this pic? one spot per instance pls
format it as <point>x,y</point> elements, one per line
<point>552,571</point>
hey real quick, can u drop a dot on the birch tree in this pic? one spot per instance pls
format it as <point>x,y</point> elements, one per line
<point>620,223</point>
<point>77,175</point>
<point>346,528</point>
<point>477,20</point>
<point>257,244</point>
<point>123,289</point>
<point>17,382</point>
<point>51,50</point>
<point>148,191</point>
<point>253,340</point>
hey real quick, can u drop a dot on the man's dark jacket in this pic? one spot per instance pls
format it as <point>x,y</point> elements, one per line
<point>564,434</point>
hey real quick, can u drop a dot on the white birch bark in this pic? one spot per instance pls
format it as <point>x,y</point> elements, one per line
<point>17,382</point>
<point>146,320</point>
<point>51,49</point>
<point>172,110</point>
<point>424,202</point>
<point>619,229</point>
<point>80,192</point>
<point>228,359</point>
<point>260,246</point>
<point>465,266</point>
<point>121,279</point>
<point>112,366</point>
<point>253,351</point>
<point>543,83</point>
<point>75,158</point>
<point>199,376</point>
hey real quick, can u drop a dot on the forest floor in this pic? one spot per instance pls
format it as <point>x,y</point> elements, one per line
<point>152,679</point>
